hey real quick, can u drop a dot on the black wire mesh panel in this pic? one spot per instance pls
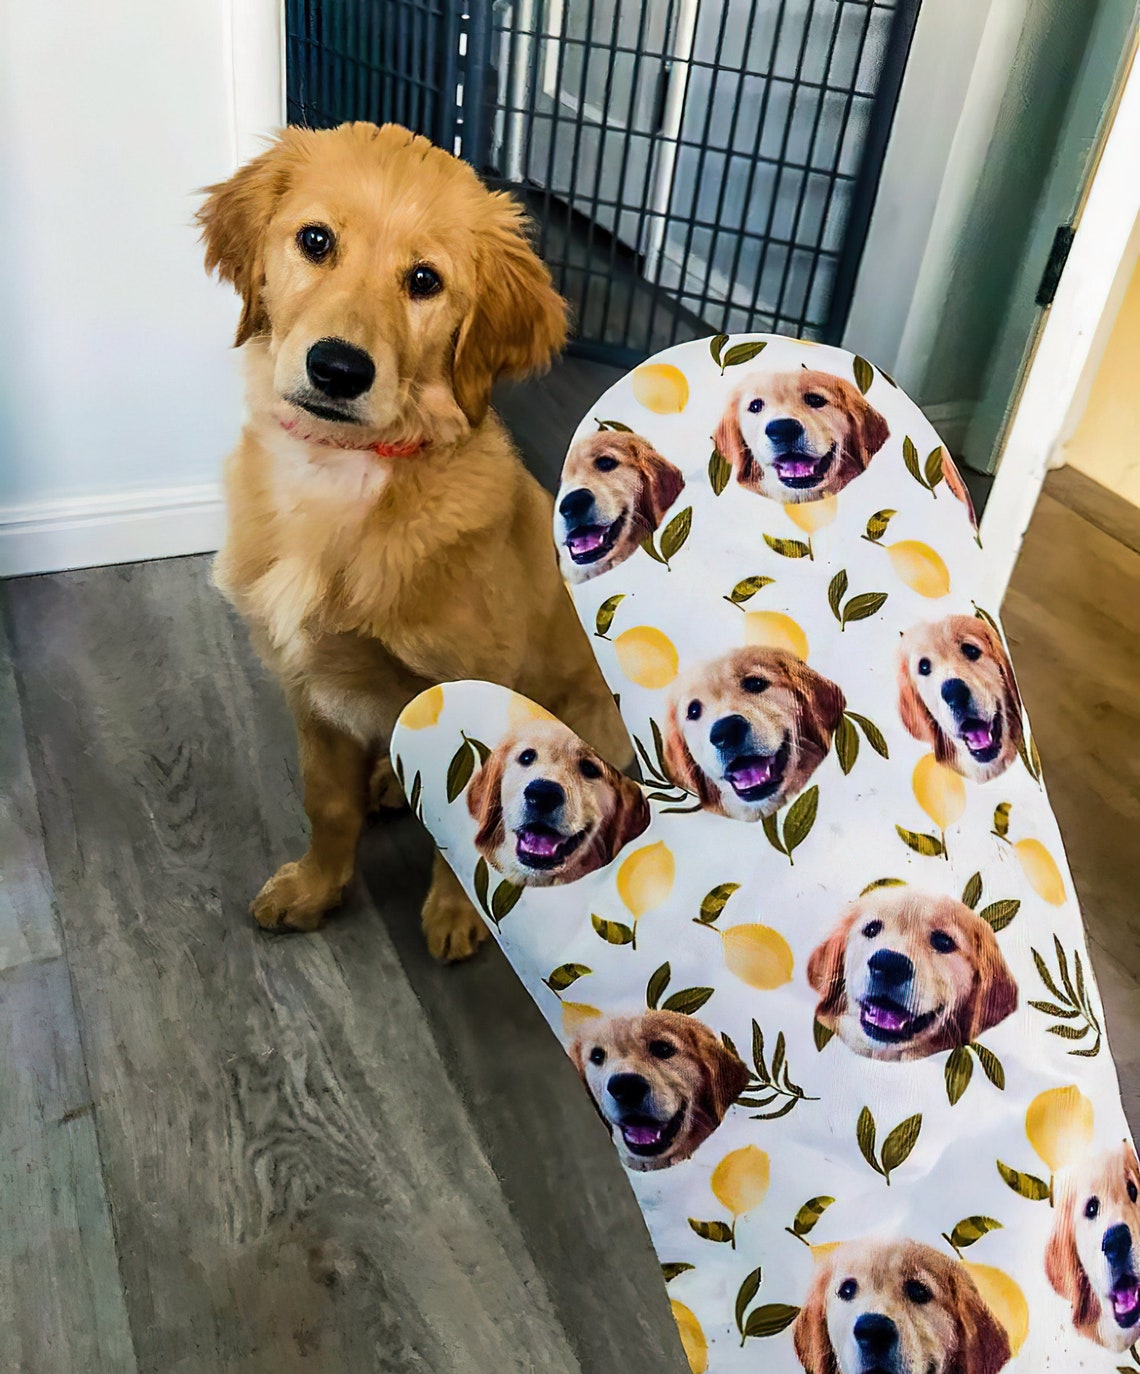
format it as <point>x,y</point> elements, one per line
<point>694,166</point>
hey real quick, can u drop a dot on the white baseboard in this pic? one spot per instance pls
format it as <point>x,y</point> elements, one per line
<point>88,531</point>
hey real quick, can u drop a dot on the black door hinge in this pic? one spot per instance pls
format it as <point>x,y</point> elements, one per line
<point>1058,257</point>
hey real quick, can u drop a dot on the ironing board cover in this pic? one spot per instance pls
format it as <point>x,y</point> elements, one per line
<point>828,989</point>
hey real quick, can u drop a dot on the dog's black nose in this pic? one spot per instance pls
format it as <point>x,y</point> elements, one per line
<point>784,432</point>
<point>875,1334</point>
<point>544,796</point>
<point>1117,1245</point>
<point>890,968</point>
<point>729,732</point>
<point>956,694</point>
<point>575,504</point>
<point>627,1089</point>
<point>339,369</point>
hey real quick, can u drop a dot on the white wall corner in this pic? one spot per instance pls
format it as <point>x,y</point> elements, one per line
<point>257,39</point>
<point>127,527</point>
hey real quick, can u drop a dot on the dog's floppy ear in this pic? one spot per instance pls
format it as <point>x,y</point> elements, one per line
<point>822,704</point>
<point>485,802</point>
<point>661,484</point>
<point>912,710</point>
<point>1064,1269</point>
<point>825,973</point>
<point>725,1074</point>
<point>629,816</point>
<point>869,431</point>
<point>813,1344</point>
<point>958,489</point>
<point>983,1343</point>
<point>1005,667</point>
<point>682,767</point>
<point>729,440</point>
<point>517,321</point>
<point>994,994</point>
<point>234,219</point>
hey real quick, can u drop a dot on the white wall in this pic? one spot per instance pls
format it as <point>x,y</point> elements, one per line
<point>119,396</point>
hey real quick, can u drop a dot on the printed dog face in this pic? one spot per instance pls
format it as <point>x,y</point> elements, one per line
<point>745,732</point>
<point>615,491</point>
<point>905,975</point>
<point>1093,1257</point>
<point>896,1307</point>
<point>957,693</point>
<point>662,1083</point>
<point>550,809</point>
<point>798,436</point>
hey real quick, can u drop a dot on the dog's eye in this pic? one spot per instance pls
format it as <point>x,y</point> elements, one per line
<point>1092,1208</point>
<point>972,652</point>
<point>942,942</point>
<point>815,400</point>
<point>755,406</point>
<point>924,667</point>
<point>316,241</point>
<point>662,1049</point>
<point>527,757</point>
<point>423,281</point>
<point>589,769</point>
<point>873,928</point>
<point>847,1290</point>
<point>917,1291</point>
<point>755,685</point>
<point>597,1055</point>
<point>1133,1191</point>
<point>606,463</point>
<point>694,711</point>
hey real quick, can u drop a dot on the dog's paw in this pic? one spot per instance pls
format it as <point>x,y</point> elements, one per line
<point>454,930</point>
<point>295,898</point>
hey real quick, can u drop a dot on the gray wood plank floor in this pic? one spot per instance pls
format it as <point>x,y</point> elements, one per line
<point>222,1150</point>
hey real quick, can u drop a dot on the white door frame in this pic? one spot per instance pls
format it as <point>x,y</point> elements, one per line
<point>1072,339</point>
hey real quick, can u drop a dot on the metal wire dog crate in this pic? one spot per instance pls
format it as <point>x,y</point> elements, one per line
<point>694,166</point>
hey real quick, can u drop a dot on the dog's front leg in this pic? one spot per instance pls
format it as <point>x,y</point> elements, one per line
<point>335,769</point>
<point>452,927</point>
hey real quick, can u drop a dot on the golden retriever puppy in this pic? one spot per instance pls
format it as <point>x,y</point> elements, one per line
<point>896,1307</point>
<point>745,732</point>
<point>615,491</point>
<point>382,533</point>
<point>905,974</point>
<point>957,693</point>
<point>550,809</point>
<point>662,1082</point>
<point>1093,1256</point>
<point>797,436</point>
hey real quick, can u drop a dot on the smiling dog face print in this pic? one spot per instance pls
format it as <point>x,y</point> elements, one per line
<point>822,974</point>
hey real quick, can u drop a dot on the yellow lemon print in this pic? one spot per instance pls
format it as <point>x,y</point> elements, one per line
<point>1041,871</point>
<point>1005,1300</point>
<point>939,791</point>
<point>740,1181</point>
<point>645,879</point>
<point>647,657</point>
<point>758,956</point>
<point>774,630</point>
<point>920,567</point>
<point>693,1341</point>
<point>521,709</point>
<point>819,1252</point>
<point>813,515</point>
<point>661,388</point>
<point>423,710</point>
<point>1059,1124</point>
<point>576,1015</point>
